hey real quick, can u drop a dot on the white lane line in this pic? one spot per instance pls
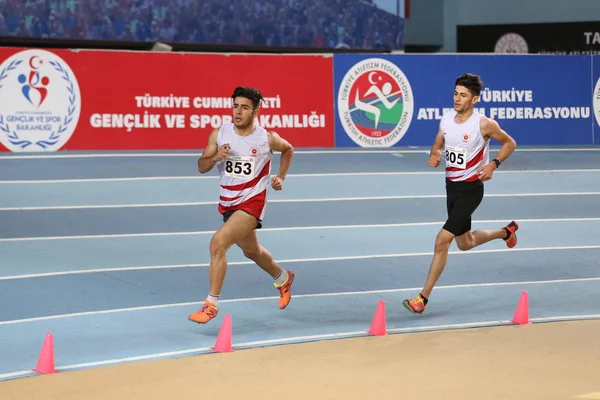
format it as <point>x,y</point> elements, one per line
<point>309,200</point>
<point>320,175</point>
<point>290,228</point>
<point>289,261</point>
<point>198,154</point>
<point>124,154</point>
<point>298,296</point>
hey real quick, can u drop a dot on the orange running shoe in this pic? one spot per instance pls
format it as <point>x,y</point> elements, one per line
<point>284,291</point>
<point>207,312</point>
<point>416,305</point>
<point>512,238</point>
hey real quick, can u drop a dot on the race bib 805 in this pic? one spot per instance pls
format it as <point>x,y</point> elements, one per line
<point>239,166</point>
<point>456,158</point>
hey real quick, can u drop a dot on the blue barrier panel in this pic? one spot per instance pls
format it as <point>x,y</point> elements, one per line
<point>596,98</point>
<point>398,100</point>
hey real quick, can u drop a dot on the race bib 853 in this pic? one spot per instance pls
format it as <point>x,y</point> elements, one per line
<point>239,166</point>
<point>456,158</point>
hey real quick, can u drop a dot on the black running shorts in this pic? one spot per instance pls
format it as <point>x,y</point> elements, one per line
<point>228,214</point>
<point>462,199</point>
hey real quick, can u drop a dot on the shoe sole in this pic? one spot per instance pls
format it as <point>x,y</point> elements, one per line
<point>197,322</point>
<point>514,234</point>
<point>405,304</point>
<point>201,323</point>
<point>516,226</point>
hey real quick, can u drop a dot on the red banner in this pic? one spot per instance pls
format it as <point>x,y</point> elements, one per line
<point>110,100</point>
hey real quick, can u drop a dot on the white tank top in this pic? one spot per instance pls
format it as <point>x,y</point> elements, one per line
<point>465,148</point>
<point>245,173</point>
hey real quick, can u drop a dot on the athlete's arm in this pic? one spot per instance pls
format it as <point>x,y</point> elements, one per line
<point>435,155</point>
<point>491,129</point>
<point>212,154</point>
<point>277,143</point>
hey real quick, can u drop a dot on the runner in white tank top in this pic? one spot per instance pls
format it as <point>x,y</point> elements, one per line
<point>466,150</point>
<point>245,173</point>
<point>463,139</point>
<point>242,152</point>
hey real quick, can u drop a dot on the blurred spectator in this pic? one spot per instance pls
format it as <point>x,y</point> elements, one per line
<point>289,23</point>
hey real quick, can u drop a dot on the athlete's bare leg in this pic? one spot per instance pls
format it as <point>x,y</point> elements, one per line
<point>238,226</point>
<point>476,238</point>
<point>464,242</point>
<point>283,279</point>
<point>440,256</point>
<point>257,253</point>
<point>239,229</point>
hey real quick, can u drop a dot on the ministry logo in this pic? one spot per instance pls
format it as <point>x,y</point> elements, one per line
<point>39,102</point>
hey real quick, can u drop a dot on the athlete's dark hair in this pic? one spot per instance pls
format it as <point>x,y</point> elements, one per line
<point>249,93</point>
<point>470,81</point>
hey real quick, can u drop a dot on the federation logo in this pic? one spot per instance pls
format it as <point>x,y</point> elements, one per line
<point>375,103</point>
<point>596,102</point>
<point>39,102</point>
<point>511,43</point>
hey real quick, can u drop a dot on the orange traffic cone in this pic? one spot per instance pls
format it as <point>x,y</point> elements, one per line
<point>45,364</point>
<point>223,343</point>
<point>521,316</point>
<point>378,324</point>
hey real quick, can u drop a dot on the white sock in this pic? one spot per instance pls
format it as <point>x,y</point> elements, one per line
<point>213,299</point>
<point>282,278</point>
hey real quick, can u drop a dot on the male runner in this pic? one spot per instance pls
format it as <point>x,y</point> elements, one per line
<point>242,152</point>
<point>465,135</point>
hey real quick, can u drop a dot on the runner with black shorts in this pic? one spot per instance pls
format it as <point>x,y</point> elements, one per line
<point>464,135</point>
